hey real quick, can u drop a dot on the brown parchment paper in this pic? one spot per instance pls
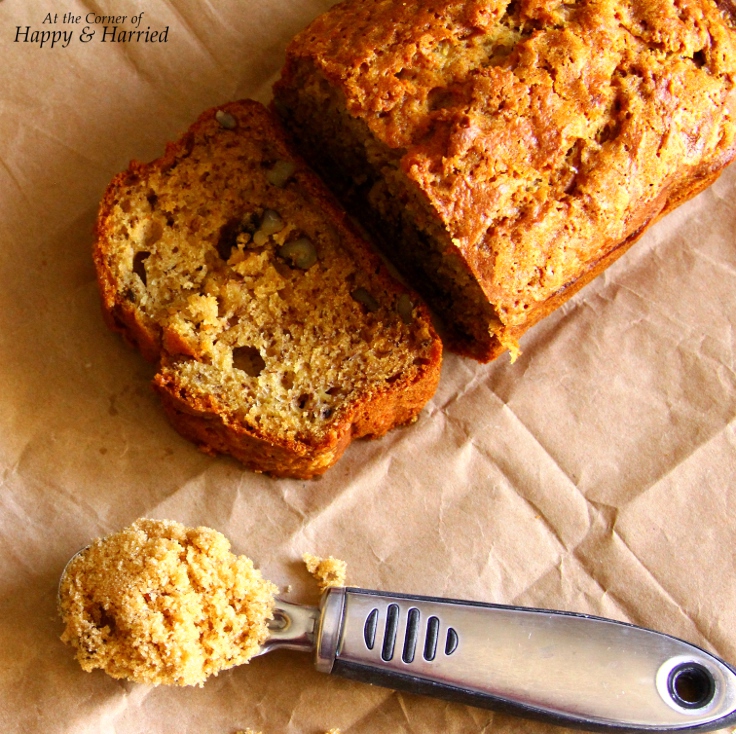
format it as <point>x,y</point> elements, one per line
<point>594,475</point>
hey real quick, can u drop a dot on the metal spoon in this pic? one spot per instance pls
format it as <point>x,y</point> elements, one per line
<point>568,669</point>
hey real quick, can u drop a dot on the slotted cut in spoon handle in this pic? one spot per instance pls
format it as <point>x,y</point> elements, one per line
<point>569,669</point>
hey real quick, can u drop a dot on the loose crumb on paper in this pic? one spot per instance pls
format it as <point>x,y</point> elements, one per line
<point>329,572</point>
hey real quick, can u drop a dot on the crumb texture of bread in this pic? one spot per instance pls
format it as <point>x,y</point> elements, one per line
<point>329,572</point>
<point>161,603</point>
<point>509,151</point>
<point>278,332</point>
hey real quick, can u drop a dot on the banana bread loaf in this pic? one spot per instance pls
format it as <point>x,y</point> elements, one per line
<point>279,335</point>
<point>508,151</point>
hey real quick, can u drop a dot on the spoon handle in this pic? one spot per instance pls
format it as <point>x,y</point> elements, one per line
<point>564,668</point>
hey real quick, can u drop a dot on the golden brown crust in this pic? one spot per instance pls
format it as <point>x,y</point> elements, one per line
<point>527,141</point>
<point>194,326</point>
<point>677,197</point>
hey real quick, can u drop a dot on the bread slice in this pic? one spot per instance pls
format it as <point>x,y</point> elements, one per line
<point>508,152</point>
<point>278,333</point>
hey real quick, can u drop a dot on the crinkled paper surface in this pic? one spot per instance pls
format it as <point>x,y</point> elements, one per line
<point>596,474</point>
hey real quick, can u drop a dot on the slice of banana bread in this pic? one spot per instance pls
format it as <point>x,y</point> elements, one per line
<point>507,152</point>
<point>279,335</point>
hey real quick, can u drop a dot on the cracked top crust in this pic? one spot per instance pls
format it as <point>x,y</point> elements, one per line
<point>538,134</point>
